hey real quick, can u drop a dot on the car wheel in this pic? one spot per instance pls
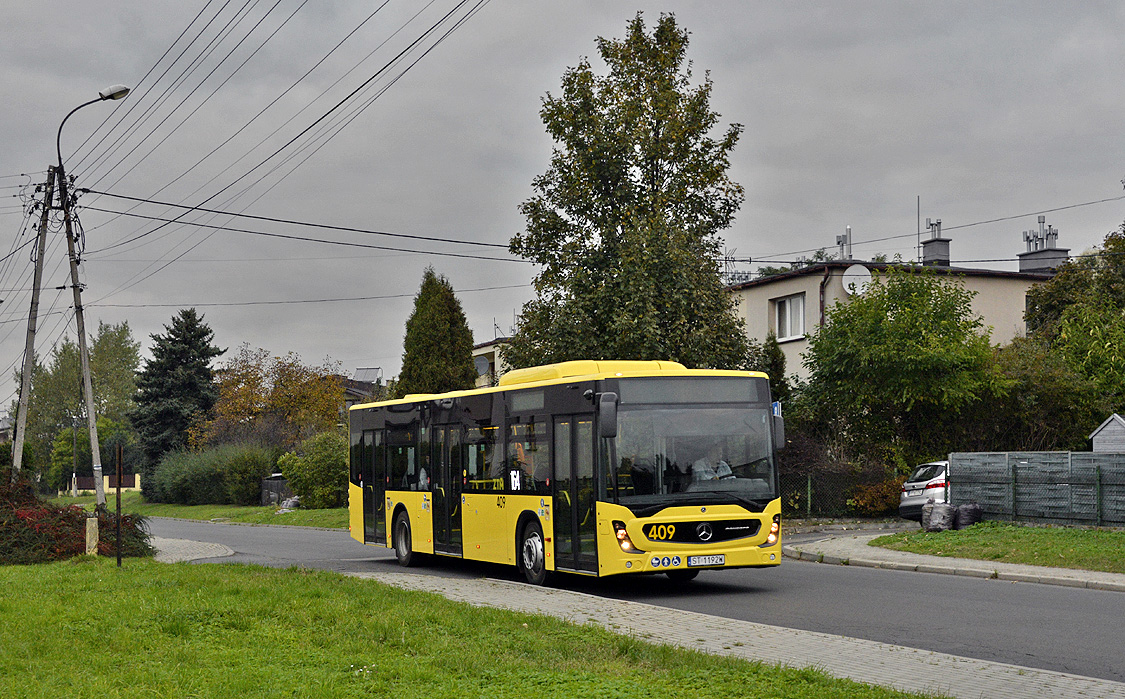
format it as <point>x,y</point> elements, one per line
<point>532,558</point>
<point>403,551</point>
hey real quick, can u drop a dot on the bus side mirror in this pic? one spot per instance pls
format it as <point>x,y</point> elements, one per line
<point>778,432</point>
<point>607,415</point>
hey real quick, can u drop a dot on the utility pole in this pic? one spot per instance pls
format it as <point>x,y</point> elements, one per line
<point>114,92</point>
<point>83,352</point>
<point>32,321</point>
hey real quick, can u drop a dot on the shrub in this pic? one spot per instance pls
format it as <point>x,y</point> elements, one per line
<point>318,470</point>
<point>243,471</point>
<point>228,474</point>
<point>877,499</point>
<point>33,531</point>
<point>188,479</point>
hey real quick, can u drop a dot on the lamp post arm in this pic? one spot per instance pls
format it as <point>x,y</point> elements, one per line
<point>58,139</point>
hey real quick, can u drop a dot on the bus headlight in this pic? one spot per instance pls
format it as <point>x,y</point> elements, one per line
<point>775,531</point>
<point>623,539</point>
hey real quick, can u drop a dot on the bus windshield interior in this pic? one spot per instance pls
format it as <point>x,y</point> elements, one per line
<point>691,453</point>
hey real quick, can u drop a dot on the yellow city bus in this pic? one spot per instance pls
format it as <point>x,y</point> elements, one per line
<point>587,467</point>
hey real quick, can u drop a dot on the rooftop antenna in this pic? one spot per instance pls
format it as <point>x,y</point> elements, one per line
<point>845,243</point>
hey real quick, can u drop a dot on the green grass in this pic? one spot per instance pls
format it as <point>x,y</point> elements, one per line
<point>86,629</point>
<point>1085,549</point>
<point>133,503</point>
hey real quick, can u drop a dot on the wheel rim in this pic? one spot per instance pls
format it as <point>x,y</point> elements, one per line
<point>533,552</point>
<point>401,544</point>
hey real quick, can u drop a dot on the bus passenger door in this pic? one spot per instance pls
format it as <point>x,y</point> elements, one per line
<point>374,487</point>
<point>447,489</point>
<point>575,494</point>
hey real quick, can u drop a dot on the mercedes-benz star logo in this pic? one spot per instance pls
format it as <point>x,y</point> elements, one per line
<point>703,531</point>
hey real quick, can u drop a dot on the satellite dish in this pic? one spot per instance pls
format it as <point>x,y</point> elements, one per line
<point>480,362</point>
<point>856,278</point>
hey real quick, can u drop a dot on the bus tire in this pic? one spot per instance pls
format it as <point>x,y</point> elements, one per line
<point>682,575</point>
<point>403,549</point>
<point>532,558</point>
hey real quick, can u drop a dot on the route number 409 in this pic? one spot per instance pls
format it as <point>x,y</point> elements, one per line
<point>661,532</point>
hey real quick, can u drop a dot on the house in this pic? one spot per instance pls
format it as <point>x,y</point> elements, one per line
<point>1110,436</point>
<point>364,386</point>
<point>794,303</point>
<point>488,357</point>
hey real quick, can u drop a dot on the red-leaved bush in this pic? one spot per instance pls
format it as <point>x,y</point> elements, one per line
<point>34,531</point>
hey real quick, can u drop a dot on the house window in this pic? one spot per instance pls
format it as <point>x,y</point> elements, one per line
<point>789,317</point>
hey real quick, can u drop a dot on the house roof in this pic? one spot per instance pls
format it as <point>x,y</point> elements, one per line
<point>497,341</point>
<point>822,267</point>
<point>1114,419</point>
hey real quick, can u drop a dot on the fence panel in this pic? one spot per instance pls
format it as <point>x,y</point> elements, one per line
<point>1052,487</point>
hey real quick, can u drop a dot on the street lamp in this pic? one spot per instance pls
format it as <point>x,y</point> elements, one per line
<point>55,176</point>
<point>114,92</point>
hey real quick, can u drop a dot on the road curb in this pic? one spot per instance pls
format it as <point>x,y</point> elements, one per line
<point>249,524</point>
<point>927,565</point>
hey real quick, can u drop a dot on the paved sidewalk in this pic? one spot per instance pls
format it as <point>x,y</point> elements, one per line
<point>182,550</point>
<point>852,549</point>
<point>870,662</point>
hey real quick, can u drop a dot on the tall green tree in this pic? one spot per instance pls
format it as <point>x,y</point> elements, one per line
<point>892,370</point>
<point>625,222</point>
<point>56,387</point>
<point>1048,406</point>
<point>1080,313</point>
<point>768,357</point>
<point>437,351</point>
<point>175,387</point>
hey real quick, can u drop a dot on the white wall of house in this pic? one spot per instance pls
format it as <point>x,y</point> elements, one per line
<point>775,305</point>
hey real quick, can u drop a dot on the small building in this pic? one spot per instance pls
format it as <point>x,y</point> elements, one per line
<point>1110,436</point>
<point>488,357</point>
<point>793,304</point>
<point>364,386</point>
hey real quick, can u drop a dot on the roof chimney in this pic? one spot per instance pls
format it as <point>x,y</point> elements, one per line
<point>1042,255</point>
<point>935,251</point>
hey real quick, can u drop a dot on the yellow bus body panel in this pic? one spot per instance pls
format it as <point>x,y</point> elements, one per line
<point>739,553</point>
<point>488,525</point>
<point>419,507</point>
<point>355,512</point>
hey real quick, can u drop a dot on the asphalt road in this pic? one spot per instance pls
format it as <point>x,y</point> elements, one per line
<point>1044,626</point>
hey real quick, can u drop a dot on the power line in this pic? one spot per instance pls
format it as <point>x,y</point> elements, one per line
<point>409,48</point>
<point>273,219</point>
<point>306,238</point>
<point>292,302</point>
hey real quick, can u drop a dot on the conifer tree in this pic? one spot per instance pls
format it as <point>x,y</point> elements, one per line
<point>175,387</point>
<point>437,352</point>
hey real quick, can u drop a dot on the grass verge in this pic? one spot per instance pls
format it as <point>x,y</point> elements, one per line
<point>1084,549</point>
<point>133,503</point>
<point>85,629</point>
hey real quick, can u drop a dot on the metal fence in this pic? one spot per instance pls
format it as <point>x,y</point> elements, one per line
<point>816,494</point>
<point>1052,487</point>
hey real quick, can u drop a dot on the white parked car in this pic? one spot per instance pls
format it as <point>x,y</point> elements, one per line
<point>927,481</point>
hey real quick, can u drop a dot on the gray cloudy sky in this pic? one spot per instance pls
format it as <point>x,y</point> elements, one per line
<point>852,110</point>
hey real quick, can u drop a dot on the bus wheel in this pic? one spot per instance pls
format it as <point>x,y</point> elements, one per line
<point>403,551</point>
<point>683,575</point>
<point>532,560</point>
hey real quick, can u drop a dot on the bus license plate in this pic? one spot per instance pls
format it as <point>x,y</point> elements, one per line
<point>716,560</point>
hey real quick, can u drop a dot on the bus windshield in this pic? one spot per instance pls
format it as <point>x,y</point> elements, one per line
<point>687,454</point>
